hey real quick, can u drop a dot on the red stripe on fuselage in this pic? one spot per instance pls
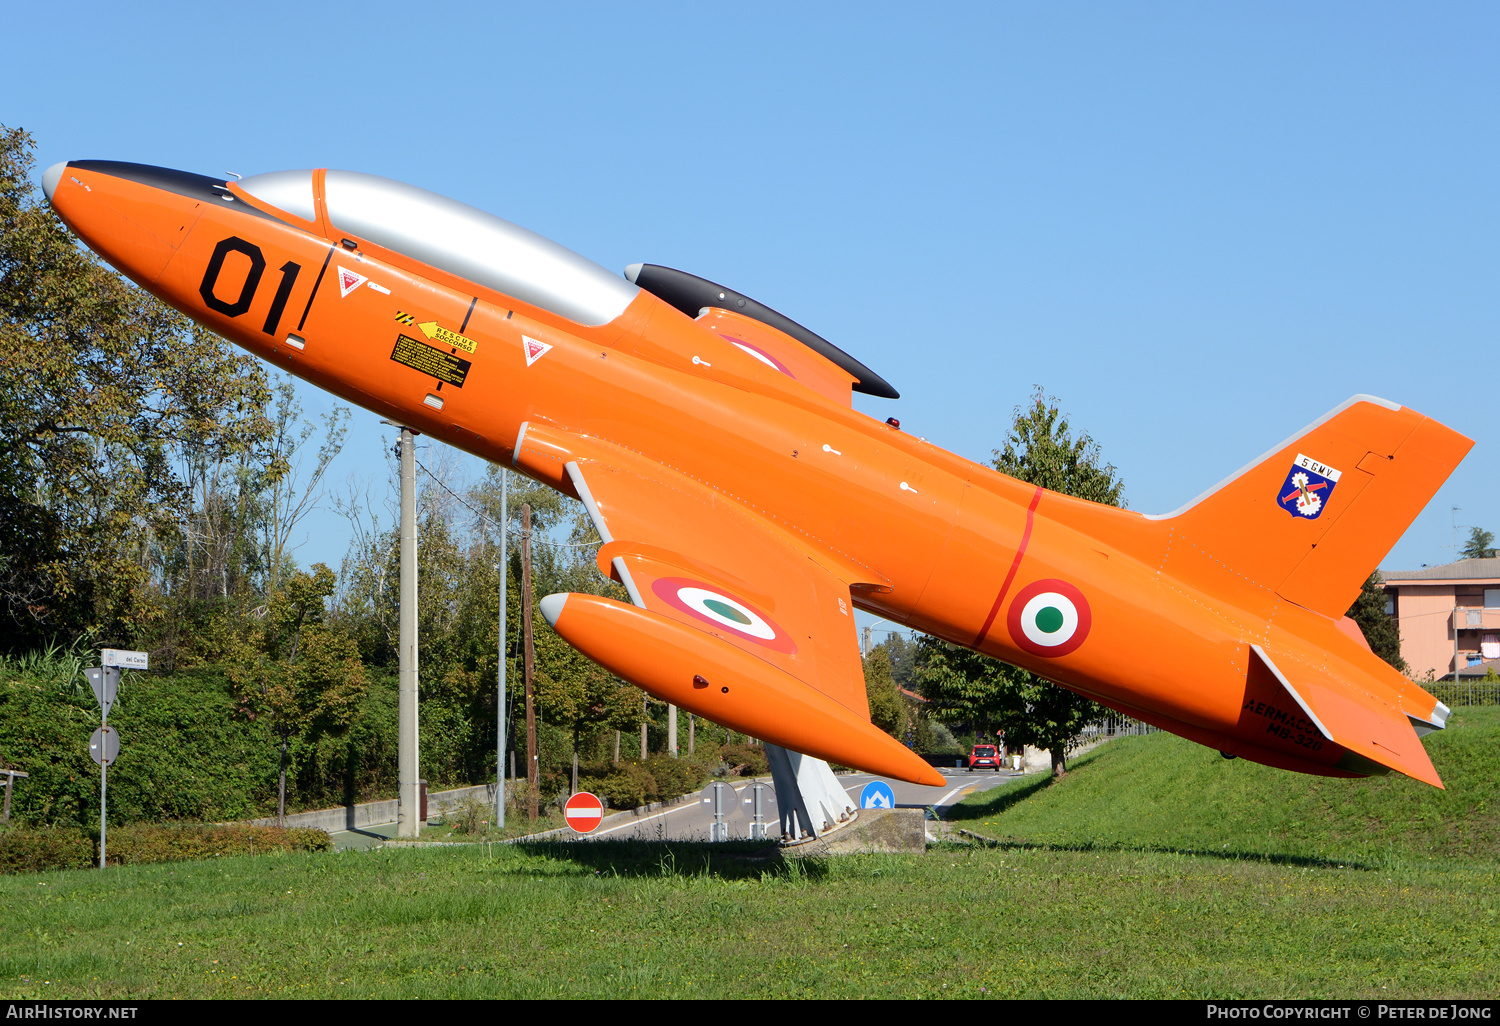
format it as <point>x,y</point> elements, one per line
<point>1015,565</point>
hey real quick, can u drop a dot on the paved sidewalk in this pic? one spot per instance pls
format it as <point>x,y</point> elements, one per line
<point>371,836</point>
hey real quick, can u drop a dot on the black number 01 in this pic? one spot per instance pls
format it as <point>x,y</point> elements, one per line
<point>235,244</point>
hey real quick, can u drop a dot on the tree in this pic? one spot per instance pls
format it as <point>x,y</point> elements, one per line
<point>1481,545</point>
<point>102,391</point>
<point>288,497</point>
<point>1041,452</point>
<point>295,670</point>
<point>986,692</point>
<point>1379,627</point>
<point>888,709</point>
<point>902,653</point>
<point>966,687</point>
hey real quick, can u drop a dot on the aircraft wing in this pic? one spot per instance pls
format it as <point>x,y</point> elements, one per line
<point>688,553</point>
<point>696,557</point>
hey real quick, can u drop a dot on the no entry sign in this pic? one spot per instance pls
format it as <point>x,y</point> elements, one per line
<point>584,812</point>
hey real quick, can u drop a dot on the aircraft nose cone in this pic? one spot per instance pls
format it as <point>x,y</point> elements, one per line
<point>51,177</point>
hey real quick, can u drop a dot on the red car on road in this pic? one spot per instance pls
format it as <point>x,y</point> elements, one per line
<point>984,756</point>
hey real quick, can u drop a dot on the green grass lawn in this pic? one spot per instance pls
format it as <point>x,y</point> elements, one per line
<point>1162,793</point>
<point>517,824</point>
<point>1155,870</point>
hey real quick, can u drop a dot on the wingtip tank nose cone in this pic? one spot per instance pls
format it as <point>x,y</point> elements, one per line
<point>51,177</point>
<point>632,272</point>
<point>932,778</point>
<point>552,607</point>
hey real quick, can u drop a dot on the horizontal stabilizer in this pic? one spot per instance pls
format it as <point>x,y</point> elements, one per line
<point>1353,719</point>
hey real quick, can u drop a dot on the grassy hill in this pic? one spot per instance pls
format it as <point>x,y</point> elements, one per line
<point>1162,793</point>
<point>1155,870</point>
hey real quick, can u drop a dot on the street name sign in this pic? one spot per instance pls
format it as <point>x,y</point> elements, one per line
<point>121,657</point>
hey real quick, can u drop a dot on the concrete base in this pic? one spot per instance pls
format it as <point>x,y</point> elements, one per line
<point>890,831</point>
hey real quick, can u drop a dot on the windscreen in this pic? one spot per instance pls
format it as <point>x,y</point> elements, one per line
<point>291,191</point>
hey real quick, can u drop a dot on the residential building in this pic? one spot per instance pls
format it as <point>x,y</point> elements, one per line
<point>1448,616</point>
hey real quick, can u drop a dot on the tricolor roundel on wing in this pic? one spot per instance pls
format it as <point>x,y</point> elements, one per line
<point>707,603</point>
<point>1049,618</point>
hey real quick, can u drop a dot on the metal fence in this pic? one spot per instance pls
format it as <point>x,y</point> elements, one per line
<point>1115,725</point>
<point>1467,692</point>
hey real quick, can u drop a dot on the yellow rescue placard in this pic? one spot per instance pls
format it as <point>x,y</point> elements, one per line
<point>448,338</point>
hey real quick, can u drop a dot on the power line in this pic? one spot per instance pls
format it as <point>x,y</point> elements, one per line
<point>490,523</point>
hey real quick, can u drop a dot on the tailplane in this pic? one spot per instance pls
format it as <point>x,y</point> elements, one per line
<point>1367,735</point>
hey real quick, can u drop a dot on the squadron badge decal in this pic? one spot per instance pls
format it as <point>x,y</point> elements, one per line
<point>1307,488</point>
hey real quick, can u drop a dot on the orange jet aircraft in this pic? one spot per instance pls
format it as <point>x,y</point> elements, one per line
<point>747,509</point>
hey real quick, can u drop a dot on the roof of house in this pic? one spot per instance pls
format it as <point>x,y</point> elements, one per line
<point>1463,570</point>
<point>1478,669</point>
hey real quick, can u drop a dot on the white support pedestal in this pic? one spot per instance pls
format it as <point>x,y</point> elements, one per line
<point>808,795</point>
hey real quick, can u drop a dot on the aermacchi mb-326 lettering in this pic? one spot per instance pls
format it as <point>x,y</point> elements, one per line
<point>747,508</point>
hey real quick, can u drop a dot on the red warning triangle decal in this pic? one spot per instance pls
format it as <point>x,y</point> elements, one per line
<point>534,350</point>
<point>349,281</point>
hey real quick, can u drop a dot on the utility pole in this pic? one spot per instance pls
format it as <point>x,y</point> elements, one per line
<point>645,712</point>
<point>408,804</point>
<point>672,729</point>
<point>532,777</point>
<point>500,699</point>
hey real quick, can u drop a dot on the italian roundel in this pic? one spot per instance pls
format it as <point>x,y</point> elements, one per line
<point>1049,618</point>
<point>709,604</point>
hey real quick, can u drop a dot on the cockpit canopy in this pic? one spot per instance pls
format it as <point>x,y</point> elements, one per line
<point>456,238</point>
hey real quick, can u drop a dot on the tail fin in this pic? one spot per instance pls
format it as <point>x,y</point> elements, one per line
<point>1313,517</point>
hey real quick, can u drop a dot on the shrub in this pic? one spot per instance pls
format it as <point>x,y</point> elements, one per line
<point>62,848</point>
<point>746,759</point>
<point>469,816</point>
<point>675,777</point>
<point>624,785</point>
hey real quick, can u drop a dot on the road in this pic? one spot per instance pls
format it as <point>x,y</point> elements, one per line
<point>689,821</point>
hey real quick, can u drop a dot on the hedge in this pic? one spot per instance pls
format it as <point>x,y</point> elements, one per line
<point>24,851</point>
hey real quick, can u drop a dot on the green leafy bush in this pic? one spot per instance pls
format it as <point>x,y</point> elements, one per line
<point>630,784</point>
<point>63,848</point>
<point>674,777</point>
<point>184,754</point>
<point>746,759</point>
<point>469,816</point>
<point>624,785</point>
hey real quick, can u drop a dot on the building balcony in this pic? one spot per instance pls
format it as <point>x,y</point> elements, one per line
<point>1476,619</point>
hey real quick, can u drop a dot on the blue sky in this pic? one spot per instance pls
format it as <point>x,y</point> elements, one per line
<point>1200,226</point>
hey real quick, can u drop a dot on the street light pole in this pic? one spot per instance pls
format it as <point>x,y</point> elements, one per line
<point>409,823</point>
